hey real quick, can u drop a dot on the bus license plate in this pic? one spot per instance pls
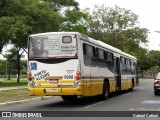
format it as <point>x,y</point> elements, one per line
<point>51,90</point>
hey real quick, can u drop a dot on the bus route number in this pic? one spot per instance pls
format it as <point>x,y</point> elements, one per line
<point>68,76</point>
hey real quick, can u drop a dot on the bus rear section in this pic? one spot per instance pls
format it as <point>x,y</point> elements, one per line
<point>54,69</point>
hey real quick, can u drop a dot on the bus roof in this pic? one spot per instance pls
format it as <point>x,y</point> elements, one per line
<point>98,42</point>
<point>54,33</point>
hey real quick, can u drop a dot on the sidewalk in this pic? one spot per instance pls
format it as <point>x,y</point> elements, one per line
<point>12,88</point>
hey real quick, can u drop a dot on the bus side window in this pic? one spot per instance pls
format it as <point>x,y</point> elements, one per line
<point>133,68</point>
<point>89,55</point>
<point>128,66</point>
<point>101,62</point>
<point>123,65</point>
<point>107,57</point>
<point>110,60</point>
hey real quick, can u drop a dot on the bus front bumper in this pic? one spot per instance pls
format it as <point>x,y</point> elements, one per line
<point>54,91</point>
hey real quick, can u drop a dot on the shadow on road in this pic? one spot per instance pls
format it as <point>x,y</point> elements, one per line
<point>81,101</point>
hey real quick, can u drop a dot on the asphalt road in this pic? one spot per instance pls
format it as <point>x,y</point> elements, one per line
<point>142,98</point>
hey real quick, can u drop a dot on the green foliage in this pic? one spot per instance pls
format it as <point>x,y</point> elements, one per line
<point>20,17</point>
<point>60,4</point>
<point>65,3</point>
<point>24,67</point>
<point>2,66</point>
<point>143,59</point>
<point>73,16</point>
<point>154,56</point>
<point>10,66</point>
<point>118,27</point>
<point>148,60</point>
<point>12,61</point>
<point>74,21</point>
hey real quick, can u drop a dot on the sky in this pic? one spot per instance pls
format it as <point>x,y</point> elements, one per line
<point>147,10</point>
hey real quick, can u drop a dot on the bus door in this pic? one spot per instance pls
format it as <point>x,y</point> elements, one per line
<point>117,73</point>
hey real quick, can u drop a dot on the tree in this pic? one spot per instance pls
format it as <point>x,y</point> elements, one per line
<point>2,67</point>
<point>23,66</point>
<point>154,56</point>
<point>72,16</point>
<point>74,21</point>
<point>14,62</point>
<point>118,27</point>
<point>19,18</point>
<point>23,17</point>
<point>143,59</point>
<point>148,60</point>
<point>58,5</point>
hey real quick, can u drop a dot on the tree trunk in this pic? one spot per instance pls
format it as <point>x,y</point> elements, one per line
<point>9,77</point>
<point>142,73</point>
<point>18,68</point>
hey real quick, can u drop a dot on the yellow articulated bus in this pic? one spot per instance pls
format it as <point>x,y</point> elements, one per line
<point>69,64</point>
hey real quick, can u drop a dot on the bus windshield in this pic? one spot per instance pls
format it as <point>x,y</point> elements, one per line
<point>52,46</point>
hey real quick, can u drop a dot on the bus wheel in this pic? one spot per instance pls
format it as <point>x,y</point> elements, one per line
<point>155,92</point>
<point>131,89</point>
<point>105,93</point>
<point>69,97</point>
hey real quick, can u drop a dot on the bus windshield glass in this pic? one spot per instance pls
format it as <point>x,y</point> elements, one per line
<point>52,46</point>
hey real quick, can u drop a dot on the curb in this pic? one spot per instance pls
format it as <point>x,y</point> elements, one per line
<point>26,100</point>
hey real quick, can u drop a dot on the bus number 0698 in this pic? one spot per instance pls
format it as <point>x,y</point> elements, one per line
<point>68,77</point>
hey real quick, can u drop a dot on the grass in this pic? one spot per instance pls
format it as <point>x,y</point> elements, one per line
<point>14,95</point>
<point>13,83</point>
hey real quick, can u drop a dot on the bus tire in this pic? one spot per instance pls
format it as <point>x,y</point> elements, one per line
<point>105,94</point>
<point>69,97</point>
<point>155,93</point>
<point>131,89</point>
